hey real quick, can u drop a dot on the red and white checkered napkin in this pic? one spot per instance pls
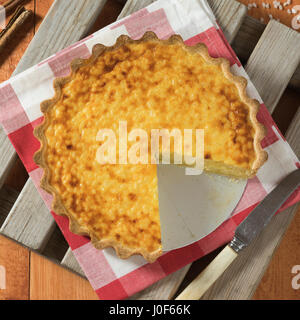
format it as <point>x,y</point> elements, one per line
<point>20,98</point>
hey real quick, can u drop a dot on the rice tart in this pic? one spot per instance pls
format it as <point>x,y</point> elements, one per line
<point>150,83</point>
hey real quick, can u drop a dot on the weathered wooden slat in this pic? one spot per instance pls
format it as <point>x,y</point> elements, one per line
<point>29,221</point>
<point>241,279</point>
<point>246,40</point>
<point>293,133</point>
<point>56,246</point>
<point>247,37</point>
<point>230,15</point>
<point>279,46</point>
<point>70,262</point>
<point>8,196</point>
<point>8,156</point>
<point>66,22</point>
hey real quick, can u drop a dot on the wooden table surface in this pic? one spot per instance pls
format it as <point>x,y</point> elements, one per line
<point>30,276</point>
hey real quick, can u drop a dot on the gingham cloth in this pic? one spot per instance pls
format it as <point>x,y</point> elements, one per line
<point>20,98</point>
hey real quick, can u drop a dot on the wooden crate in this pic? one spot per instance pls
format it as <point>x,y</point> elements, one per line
<point>271,56</point>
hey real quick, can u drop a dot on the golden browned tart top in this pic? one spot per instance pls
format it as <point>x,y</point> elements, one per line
<point>150,84</point>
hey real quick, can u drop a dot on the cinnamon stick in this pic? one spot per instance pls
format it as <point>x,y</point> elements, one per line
<point>15,23</point>
<point>10,5</point>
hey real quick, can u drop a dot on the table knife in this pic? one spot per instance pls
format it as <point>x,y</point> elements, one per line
<point>247,231</point>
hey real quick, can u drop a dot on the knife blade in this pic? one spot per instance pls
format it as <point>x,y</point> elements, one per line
<point>247,231</point>
<point>259,218</point>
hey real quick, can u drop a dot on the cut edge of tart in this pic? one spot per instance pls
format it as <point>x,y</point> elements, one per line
<point>39,157</point>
